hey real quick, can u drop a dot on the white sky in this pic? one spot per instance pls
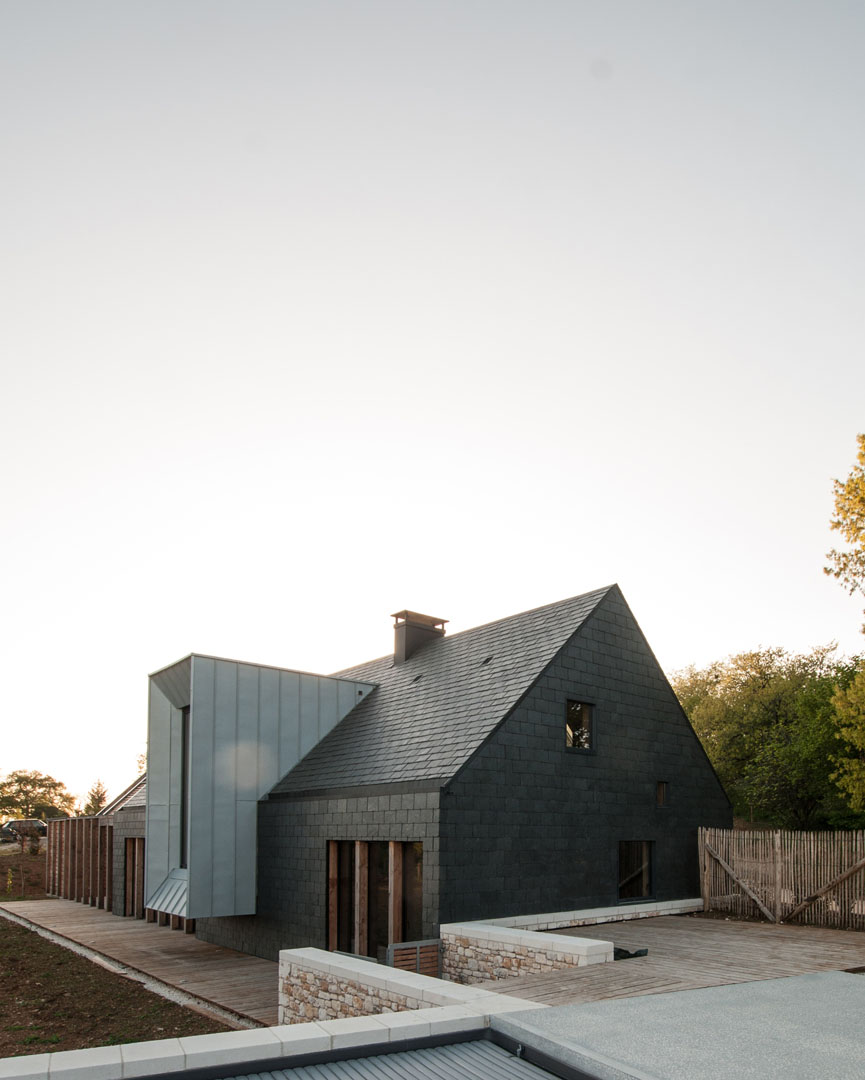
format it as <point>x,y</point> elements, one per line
<point>315,311</point>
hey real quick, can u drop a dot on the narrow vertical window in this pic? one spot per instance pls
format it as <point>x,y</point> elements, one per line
<point>635,869</point>
<point>184,788</point>
<point>578,725</point>
<point>661,793</point>
<point>412,892</point>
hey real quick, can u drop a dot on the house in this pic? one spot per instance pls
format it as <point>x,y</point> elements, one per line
<point>538,763</point>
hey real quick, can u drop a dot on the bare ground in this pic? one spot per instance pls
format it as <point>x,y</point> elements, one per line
<point>53,999</point>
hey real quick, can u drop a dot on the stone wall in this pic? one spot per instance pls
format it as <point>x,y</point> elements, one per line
<point>320,995</point>
<point>477,951</point>
<point>315,986</point>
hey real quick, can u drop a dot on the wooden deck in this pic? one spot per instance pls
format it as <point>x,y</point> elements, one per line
<point>689,953</point>
<point>244,985</point>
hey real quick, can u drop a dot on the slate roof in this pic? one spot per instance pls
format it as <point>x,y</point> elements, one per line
<point>427,716</point>
<point>134,795</point>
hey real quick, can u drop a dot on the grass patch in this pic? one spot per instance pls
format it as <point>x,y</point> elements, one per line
<point>53,999</point>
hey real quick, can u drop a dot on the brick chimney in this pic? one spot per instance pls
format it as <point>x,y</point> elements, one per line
<point>411,631</point>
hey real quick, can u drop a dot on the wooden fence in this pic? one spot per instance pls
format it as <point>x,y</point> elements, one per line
<point>804,877</point>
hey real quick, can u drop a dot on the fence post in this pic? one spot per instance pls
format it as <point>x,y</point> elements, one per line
<point>777,875</point>
<point>704,868</point>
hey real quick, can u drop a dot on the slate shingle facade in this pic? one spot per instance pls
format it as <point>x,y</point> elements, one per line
<point>463,748</point>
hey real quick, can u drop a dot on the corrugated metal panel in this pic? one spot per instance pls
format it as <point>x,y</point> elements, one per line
<point>170,896</point>
<point>460,1061</point>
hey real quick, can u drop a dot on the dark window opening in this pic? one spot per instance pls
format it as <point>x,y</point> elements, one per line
<point>661,793</point>
<point>377,900</point>
<point>184,788</point>
<point>375,895</point>
<point>412,892</point>
<point>485,662</point>
<point>344,930</point>
<point>578,725</point>
<point>635,869</point>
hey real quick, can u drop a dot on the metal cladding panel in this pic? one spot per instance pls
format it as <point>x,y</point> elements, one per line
<point>170,897</point>
<point>247,739</point>
<point>244,875</point>
<point>157,862</point>
<point>268,729</point>
<point>175,682</point>
<point>289,720</point>
<point>201,753</point>
<point>249,726</point>
<point>309,714</point>
<point>224,791</point>
<point>478,1060</point>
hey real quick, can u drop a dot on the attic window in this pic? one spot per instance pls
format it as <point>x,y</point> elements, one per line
<point>485,662</point>
<point>578,726</point>
<point>417,678</point>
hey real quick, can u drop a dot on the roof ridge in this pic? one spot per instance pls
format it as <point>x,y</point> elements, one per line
<point>493,622</point>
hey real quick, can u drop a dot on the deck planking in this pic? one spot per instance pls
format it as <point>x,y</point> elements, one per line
<point>688,954</point>
<point>242,984</point>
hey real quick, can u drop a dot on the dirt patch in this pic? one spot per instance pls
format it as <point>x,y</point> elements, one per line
<point>52,999</point>
<point>22,877</point>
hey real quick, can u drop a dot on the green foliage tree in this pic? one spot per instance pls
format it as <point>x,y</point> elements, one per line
<point>767,721</point>
<point>97,796</point>
<point>26,794</point>
<point>849,702</point>
<point>849,566</point>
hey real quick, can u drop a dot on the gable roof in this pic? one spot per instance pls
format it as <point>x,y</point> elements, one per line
<point>134,795</point>
<point>428,716</point>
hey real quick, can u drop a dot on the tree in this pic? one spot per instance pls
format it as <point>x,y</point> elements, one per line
<point>849,705</point>
<point>767,722</point>
<point>849,566</point>
<point>33,795</point>
<point>97,796</point>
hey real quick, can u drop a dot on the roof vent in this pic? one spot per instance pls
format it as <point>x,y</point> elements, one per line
<point>412,630</point>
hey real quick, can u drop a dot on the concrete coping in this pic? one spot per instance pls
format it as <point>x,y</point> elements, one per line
<point>556,920</point>
<point>423,989</point>
<point>244,1049</point>
<point>582,950</point>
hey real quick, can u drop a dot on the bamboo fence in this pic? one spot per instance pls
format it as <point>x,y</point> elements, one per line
<point>814,878</point>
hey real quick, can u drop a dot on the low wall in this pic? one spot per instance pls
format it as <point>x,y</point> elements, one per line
<point>315,985</point>
<point>472,951</point>
<point>522,944</point>
<point>558,920</point>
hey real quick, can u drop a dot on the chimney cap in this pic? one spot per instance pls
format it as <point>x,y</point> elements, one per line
<point>416,619</point>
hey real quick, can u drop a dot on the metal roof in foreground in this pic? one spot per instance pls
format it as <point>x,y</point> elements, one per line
<point>479,1060</point>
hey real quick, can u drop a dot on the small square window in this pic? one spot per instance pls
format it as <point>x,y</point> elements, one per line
<point>578,726</point>
<point>662,793</point>
<point>635,869</point>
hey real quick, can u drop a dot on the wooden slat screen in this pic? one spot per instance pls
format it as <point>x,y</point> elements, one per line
<point>808,877</point>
